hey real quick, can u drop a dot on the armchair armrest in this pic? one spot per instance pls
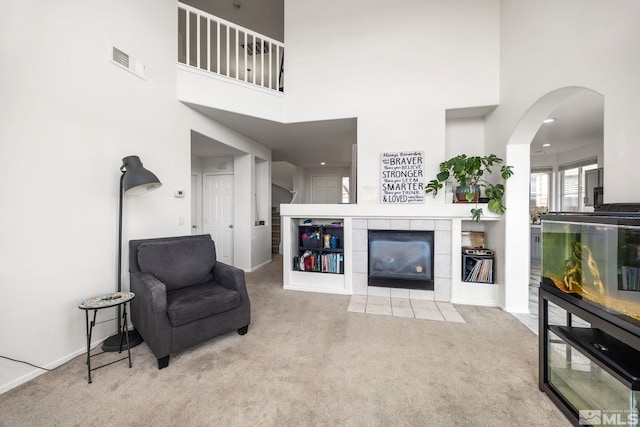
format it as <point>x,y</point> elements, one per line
<point>152,290</point>
<point>231,278</point>
<point>149,311</point>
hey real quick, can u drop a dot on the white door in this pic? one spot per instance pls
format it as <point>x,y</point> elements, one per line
<point>218,214</point>
<point>324,189</point>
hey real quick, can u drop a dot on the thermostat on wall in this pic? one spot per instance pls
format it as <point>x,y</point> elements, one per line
<point>179,194</point>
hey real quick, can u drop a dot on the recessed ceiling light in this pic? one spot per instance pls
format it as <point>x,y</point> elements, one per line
<point>546,145</point>
<point>549,120</point>
<point>322,163</point>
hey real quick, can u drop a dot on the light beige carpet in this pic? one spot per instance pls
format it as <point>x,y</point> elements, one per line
<point>307,361</point>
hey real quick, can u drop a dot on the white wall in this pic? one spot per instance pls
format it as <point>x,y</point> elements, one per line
<point>396,66</point>
<point>278,196</point>
<point>551,50</point>
<point>464,136</point>
<point>282,173</point>
<point>199,88</point>
<point>217,165</point>
<point>68,118</point>
<point>197,164</point>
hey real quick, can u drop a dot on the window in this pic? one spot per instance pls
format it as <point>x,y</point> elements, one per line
<point>572,185</point>
<point>540,191</point>
<point>570,190</point>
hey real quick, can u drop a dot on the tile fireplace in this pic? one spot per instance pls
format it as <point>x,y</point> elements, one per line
<point>401,259</point>
<point>439,230</point>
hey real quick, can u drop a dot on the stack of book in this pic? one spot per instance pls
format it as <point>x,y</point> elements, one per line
<point>481,272</point>
<point>332,263</point>
<point>326,263</point>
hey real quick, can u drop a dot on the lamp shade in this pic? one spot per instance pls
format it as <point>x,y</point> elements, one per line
<point>136,179</point>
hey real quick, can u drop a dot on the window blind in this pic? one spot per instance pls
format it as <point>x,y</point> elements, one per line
<point>579,164</point>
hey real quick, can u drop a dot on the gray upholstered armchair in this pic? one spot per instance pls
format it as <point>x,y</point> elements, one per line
<point>183,295</point>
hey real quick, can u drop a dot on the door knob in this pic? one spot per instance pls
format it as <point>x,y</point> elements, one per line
<point>230,225</point>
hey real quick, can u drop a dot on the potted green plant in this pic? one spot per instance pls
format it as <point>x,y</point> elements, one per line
<point>469,173</point>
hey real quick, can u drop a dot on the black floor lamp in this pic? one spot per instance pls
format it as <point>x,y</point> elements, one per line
<point>134,180</point>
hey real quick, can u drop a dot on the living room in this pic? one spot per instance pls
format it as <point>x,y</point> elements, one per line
<point>70,117</point>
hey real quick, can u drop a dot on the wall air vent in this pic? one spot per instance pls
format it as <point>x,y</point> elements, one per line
<point>256,48</point>
<point>122,59</point>
<point>119,57</point>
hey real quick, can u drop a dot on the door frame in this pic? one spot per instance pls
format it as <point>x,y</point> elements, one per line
<point>196,203</point>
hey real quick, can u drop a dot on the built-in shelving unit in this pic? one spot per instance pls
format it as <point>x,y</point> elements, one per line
<point>315,250</point>
<point>448,221</point>
<point>477,283</point>
<point>321,248</point>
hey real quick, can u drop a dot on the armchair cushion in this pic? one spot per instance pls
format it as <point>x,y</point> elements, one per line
<point>198,302</point>
<point>178,263</point>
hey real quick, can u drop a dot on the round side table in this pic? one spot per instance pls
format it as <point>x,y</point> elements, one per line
<point>98,303</point>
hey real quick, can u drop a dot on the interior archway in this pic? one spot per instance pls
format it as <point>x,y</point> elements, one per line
<point>517,219</point>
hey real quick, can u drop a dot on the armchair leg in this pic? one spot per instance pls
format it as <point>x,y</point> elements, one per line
<point>163,362</point>
<point>243,330</point>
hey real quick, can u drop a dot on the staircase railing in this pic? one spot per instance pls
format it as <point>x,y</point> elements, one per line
<point>218,46</point>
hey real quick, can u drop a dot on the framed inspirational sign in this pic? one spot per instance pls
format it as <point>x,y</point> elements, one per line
<point>402,177</point>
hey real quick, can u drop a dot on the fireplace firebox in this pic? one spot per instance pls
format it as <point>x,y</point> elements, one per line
<point>401,259</point>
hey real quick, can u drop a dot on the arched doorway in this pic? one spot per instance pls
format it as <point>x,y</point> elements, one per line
<point>517,217</point>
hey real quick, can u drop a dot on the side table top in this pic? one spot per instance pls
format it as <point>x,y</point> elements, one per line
<point>106,300</point>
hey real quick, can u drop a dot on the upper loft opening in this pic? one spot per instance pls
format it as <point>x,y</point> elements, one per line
<point>208,42</point>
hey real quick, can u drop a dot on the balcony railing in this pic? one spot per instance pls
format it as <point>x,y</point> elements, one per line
<point>215,45</point>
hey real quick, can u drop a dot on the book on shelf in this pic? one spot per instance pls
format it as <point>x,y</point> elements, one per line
<point>332,263</point>
<point>482,271</point>
<point>325,263</point>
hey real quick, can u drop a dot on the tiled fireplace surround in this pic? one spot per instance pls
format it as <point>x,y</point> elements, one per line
<point>442,257</point>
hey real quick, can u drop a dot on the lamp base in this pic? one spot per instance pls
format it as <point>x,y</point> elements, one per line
<point>113,342</point>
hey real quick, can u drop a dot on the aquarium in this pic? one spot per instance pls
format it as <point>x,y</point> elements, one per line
<point>595,259</point>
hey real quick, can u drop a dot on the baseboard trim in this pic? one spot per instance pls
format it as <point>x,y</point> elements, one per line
<point>36,372</point>
<point>259,266</point>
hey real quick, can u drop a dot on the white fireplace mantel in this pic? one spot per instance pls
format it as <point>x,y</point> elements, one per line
<point>460,211</point>
<point>445,219</point>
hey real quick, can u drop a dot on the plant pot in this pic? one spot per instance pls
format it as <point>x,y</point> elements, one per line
<point>462,190</point>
